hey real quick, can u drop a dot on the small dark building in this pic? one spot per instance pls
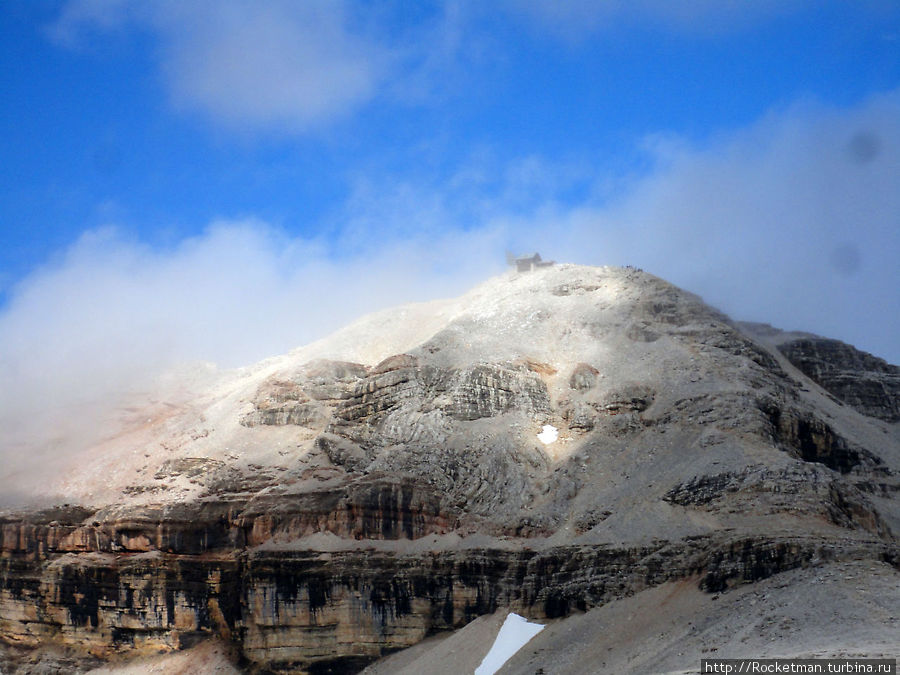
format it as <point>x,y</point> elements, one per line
<point>527,263</point>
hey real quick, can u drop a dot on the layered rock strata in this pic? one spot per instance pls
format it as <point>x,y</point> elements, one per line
<point>322,509</point>
<point>869,384</point>
<point>314,611</point>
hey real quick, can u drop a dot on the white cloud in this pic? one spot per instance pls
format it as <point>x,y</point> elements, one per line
<point>285,66</point>
<point>575,19</point>
<point>99,324</point>
<point>279,64</point>
<point>296,67</point>
<point>80,16</point>
<point>793,221</point>
<point>290,64</point>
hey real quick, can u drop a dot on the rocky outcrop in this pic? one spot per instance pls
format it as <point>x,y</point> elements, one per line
<point>471,393</point>
<point>370,508</point>
<point>798,490</point>
<point>448,426</point>
<point>811,439</point>
<point>311,611</point>
<point>404,598</point>
<point>104,603</point>
<point>583,377</point>
<point>865,382</point>
<point>315,514</point>
<point>307,397</point>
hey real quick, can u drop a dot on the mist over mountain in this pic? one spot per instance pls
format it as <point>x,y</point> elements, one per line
<point>574,444</point>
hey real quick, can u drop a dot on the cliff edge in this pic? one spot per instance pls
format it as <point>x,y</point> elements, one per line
<point>550,442</point>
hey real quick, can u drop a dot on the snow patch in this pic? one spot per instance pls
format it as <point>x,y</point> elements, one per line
<point>548,435</point>
<point>515,632</point>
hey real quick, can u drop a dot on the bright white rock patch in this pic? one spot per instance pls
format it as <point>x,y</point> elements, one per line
<point>548,435</point>
<point>515,632</point>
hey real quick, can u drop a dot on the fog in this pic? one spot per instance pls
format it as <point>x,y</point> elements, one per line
<point>792,220</point>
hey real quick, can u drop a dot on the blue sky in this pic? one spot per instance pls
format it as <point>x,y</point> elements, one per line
<point>188,179</point>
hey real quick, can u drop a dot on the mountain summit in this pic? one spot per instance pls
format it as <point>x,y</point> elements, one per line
<point>551,442</point>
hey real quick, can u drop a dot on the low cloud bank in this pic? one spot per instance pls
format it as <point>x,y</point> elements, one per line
<point>96,328</point>
<point>793,221</point>
<point>576,19</point>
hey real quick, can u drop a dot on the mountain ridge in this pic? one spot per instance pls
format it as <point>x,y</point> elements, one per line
<point>394,473</point>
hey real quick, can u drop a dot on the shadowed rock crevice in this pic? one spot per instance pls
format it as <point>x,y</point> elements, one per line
<point>811,439</point>
<point>799,491</point>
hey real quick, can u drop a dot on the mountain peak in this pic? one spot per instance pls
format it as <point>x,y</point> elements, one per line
<point>595,415</point>
<point>610,357</point>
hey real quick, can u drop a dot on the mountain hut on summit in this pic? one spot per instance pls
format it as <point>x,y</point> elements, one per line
<point>527,263</point>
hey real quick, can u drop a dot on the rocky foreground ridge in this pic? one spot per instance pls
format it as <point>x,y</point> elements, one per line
<point>322,509</point>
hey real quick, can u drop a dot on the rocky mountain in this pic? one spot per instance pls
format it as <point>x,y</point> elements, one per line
<point>555,443</point>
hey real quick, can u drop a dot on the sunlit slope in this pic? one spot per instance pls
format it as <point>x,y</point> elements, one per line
<point>649,388</point>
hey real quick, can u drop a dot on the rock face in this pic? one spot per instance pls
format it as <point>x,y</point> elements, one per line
<point>325,508</point>
<point>869,384</point>
<point>298,610</point>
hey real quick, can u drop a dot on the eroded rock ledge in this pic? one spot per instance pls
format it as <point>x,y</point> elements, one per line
<point>111,588</point>
<point>865,382</point>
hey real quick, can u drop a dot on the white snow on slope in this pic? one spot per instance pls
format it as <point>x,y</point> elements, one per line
<point>514,634</point>
<point>548,435</point>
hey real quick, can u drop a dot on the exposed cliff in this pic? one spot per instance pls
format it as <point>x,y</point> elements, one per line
<point>324,508</point>
<point>869,384</point>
